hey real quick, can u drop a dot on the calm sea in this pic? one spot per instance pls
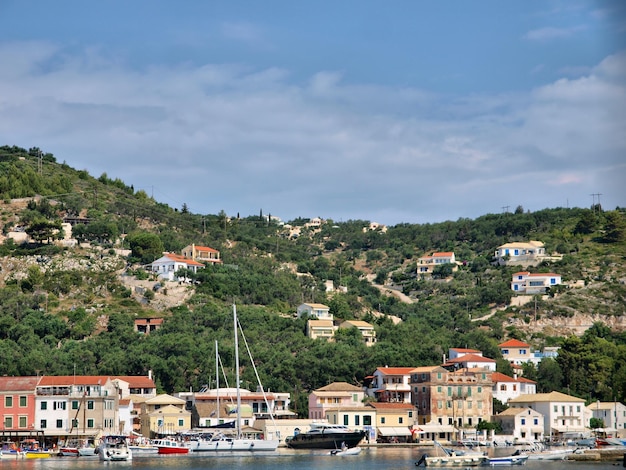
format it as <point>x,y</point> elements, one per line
<point>369,458</point>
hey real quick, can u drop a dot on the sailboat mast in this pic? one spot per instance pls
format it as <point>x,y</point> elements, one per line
<point>237,371</point>
<point>217,382</point>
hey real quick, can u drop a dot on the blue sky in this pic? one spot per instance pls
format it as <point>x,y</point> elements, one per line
<point>403,111</point>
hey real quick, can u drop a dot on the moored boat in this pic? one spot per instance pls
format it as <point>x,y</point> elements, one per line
<point>170,446</point>
<point>508,461</point>
<point>345,451</point>
<point>451,459</point>
<point>114,448</point>
<point>325,436</point>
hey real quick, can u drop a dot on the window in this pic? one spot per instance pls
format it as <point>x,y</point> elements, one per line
<point>515,387</point>
<point>578,409</point>
<point>74,423</point>
<point>448,404</point>
<point>502,387</point>
<point>449,391</point>
<point>90,404</point>
<point>423,389</point>
<point>59,423</point>
<point>90,423</point>
<point>74,404</point>
<point>355,397</point>
<point>439,375</point>
<point>357,420</point>
<point>480,390</point>
<point>43,405</point>
<point>523,421</point>
<point>505,351</point>
<point>345,419</point>
<point>469,404</point>
<point>439,404</point>
<point>23,401</point>
<point>535,421</point>
<point>411,413</point>
<point>181,423</point>
<point>8,422</point>
<point>400,420</point>
<point>382,420</point>
<point>522,352</point>
<point>43,424</point>
<point>439,389</point>
<point>367,420</point>
<point>556,408</point>
<point>8,401</point>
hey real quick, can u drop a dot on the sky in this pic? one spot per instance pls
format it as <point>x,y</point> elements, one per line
<point>403,111</point>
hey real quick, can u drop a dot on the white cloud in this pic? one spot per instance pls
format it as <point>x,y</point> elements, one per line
<point>240,139</point>
<point>549,33</point>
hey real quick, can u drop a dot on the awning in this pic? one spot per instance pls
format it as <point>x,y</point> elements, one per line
<point>394,431</point>
<point>567,429</point>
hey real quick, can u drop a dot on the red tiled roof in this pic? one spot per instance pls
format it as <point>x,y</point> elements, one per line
<point>514,343</point>
<point>60,380</point>
<point>443,254</point>
<point>182,259</point>
<point>137,381</point>
<point>465,350</point>
<point>499,377</point>
<point>470,358</point>
<point>396,370</point>
<point>522,273</point>
<point>206,248</point>
<point>543,274</point>
<point>18,384</point>
<point>390,406</point>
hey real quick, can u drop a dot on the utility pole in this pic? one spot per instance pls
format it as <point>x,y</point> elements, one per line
<point>505,209</point>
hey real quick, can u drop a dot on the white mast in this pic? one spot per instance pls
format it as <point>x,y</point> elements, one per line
<point>237,372</point>
<point>217,382</point>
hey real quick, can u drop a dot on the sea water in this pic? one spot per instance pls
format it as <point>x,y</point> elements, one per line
<point>284,459</point>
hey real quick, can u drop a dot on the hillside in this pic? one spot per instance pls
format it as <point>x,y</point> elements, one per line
<point>68,301</point>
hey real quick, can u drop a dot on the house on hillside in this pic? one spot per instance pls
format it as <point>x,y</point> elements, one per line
<point>367,331</point>
<point>324,329</point>
<point>470,361</point>
<point>203,254</point>
<point>525,282</point>
<point>321,311</point>
<point>515,351</point>
<point>169,264</point>
<point>427,264</point>
<point>530,253</point>
<point>147,325</point>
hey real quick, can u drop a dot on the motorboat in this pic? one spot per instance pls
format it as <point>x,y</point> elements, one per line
<point>345,451</point>
<point>170,446</point>
<point>114,448</point>
<point>326,436</point>
<point>507,461</point>
<point>449,458</point>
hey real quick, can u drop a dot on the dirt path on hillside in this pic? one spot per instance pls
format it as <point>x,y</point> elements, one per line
<point>390,292</point>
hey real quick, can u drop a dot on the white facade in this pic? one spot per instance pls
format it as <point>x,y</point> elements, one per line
<point>506,388</point>
<point>534,283</point>
<point>612,413</point>
<point>321,311</point>
<point>391,384</point>
<point>564,415</point>
<point>166,266</point>
<point>521,250</point>
<point>524,424</point>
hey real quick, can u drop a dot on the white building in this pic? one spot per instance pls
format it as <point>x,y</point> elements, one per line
<point>167,265</point>
<point>505,388</point>
<point>612,413</point>
<point>391,384</point>
<point>525,282</point>
<point>321,311</point>
<point>564,415</point>
<point>524,424</point>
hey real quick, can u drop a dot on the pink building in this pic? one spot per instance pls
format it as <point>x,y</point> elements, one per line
<point>17,403</point>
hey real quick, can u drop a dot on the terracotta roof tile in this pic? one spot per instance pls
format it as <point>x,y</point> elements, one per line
<point>514,343</point>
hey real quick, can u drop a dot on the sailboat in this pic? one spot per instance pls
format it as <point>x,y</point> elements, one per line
<point>220,442</point>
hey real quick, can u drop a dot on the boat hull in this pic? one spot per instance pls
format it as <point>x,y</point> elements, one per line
<point>173,450</point>
<point>233,445</point>
<point>508,461</point>
<point>325,440</point>
<point>455,461</point>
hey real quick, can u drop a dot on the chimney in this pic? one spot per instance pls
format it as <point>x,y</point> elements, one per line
<point>150,374</point>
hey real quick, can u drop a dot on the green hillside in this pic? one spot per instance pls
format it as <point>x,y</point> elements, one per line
<point>71,308</point>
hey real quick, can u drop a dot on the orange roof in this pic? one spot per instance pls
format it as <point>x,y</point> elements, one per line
<point>543,274</point>
<point>470,358</point>
<point>500,377</point>
<point>522,273</point>
<point>18,384</point>
<point>443,253</point>
<point>514,343</point>
<point>464,350</point>
<point>60,380</point>
<point>124,401</point>
<point>206,248</point>
<point>390,406</point>
<point>182,259</point>
<point>137,381</point>
<point>396,370</point>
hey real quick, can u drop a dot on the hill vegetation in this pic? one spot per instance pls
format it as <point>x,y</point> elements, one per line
<point>66,309</point>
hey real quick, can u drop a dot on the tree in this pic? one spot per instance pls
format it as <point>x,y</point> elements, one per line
<point>549,376</point>
<point>42,230</point>
<point>614,227</point>
<point>145,246</point>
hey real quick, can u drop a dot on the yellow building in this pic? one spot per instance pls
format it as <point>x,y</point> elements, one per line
<point>163,415</point>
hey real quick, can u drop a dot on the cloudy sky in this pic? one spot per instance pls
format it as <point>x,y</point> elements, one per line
<point>396,111</point>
